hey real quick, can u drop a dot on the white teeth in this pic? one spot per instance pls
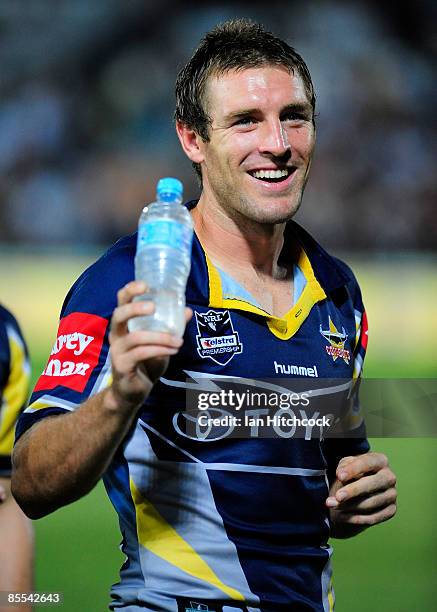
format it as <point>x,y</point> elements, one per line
<point>270,174</point>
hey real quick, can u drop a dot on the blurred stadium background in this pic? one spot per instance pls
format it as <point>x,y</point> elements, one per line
<point>86,130</point>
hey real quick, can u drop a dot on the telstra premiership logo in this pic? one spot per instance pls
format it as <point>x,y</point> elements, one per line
<point>217,338</point>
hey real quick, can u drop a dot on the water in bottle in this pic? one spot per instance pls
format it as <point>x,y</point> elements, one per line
<point>163,258</point>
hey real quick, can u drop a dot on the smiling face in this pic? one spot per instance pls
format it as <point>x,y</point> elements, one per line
<point>255,164</point>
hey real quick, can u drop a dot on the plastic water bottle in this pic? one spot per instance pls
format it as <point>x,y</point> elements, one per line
<point>163,258</point>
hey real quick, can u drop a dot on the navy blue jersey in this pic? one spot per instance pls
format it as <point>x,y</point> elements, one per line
<point>14,384</point>
<point>217,524</point>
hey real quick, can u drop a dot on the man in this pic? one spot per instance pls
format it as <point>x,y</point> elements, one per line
<point>16,539</point>
<point>214,524</point>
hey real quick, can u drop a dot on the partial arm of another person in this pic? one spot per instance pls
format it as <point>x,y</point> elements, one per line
<point>16,533</point>
<point>16,548</point>
<point>62,457</point>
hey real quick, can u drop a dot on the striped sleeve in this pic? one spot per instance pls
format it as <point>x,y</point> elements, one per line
<point>355,417</point>
<point>354,441</point>
<point>362,335</point>
<point>79,363</point>
<point>15,385</point>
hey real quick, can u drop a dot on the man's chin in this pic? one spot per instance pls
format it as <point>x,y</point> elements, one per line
<point>276,212</point>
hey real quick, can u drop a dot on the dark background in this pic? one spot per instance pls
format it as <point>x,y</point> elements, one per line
<point>87,99</point>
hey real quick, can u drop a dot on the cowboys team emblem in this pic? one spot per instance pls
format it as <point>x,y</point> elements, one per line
<point>217,339</point>
<point>336,341</point>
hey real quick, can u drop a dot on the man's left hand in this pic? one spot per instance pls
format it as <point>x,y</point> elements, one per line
<point>362,495</point>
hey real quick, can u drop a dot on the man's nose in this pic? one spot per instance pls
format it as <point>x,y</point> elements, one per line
<point>274,139</point>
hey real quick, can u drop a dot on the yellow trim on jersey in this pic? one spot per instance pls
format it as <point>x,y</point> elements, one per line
<point>39,404</point>
<point>282,327</point>
<point>215,284</point>
<point>354,421</point>
<point>357,333</point>
<point>158,536</point>
<point>331,599</point>
<point>14,394</point>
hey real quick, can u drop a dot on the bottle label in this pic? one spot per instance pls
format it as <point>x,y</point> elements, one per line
<point>166,233</point>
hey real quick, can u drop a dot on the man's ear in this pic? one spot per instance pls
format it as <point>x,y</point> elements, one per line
<point>191,142</point>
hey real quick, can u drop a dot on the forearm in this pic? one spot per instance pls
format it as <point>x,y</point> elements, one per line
<point>62,457</point>
<point>16,549</point>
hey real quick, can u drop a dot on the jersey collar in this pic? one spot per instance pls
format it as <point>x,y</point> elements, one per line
<point>321,271</point>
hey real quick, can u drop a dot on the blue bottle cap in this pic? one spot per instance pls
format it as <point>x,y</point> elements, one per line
<point>169,189</point>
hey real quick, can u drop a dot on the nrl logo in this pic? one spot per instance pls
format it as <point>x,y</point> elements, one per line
<point>336,341</point>
<point>216,338</point>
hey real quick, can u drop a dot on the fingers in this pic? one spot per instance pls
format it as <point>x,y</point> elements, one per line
<point>138,357</point>
<point>368,519</point>
<point>364,511</point>
<point>137,338</point>
<point>344,462</point>
<point>128,362</point>
<point>367,485</point>
<point>127,293</point>
<point>364,493</point>
<point>375,502</point>
<point>352,468</point>
<point>127,309</point>
<point>140,346</point>
<point>370,503</point>
<point>122,314</point>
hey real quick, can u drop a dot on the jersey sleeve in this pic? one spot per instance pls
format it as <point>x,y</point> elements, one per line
<point>355,440</point>
<point>79,364</point>
<point>14,381</point>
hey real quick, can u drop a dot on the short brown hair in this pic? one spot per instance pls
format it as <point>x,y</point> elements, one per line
<point>233,45</point>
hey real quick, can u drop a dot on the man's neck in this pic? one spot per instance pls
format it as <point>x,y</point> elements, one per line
<point>238,245</point>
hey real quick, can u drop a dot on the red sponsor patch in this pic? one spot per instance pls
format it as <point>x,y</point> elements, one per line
<point>364,331</point>
<point>75,353</point>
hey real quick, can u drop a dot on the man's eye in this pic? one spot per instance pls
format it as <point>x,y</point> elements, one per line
<point>294,117</point>
<point>245,121</point>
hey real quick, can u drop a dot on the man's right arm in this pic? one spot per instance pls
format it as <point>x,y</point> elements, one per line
<point>62,457</point>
